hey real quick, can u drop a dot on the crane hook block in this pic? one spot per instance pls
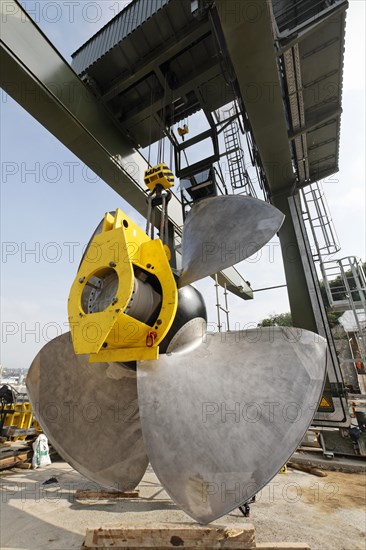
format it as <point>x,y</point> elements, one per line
<point>123,293</point>
<point>183,131</point>
<point>159,175</point>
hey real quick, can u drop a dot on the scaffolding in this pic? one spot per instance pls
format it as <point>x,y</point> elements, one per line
<point>343,279</point>
<point>220,308</point>
<point>228,123</point>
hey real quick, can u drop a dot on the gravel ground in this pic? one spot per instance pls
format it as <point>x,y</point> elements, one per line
<point>325,512</point>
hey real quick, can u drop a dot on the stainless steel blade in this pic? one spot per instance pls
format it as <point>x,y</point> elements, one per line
<point>220,422</point>
<point>221,231</point>
<point>90,414</point>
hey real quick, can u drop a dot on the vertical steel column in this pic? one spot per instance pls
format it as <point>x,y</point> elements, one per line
<point>301,291</point>
<point>306,302</point>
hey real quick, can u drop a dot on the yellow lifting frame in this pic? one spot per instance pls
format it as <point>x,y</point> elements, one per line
<point>113,335</point>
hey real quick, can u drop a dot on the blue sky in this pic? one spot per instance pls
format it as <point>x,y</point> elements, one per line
<point>50,202</point>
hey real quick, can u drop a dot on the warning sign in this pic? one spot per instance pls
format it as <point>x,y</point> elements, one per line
<point>326,404</point>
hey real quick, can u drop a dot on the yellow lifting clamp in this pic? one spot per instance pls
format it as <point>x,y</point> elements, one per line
<point>124,298</point>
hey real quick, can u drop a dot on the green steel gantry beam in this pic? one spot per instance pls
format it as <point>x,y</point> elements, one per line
<point>35,75</point>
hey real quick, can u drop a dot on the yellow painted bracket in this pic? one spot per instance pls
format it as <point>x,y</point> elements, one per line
<point>112,334</point>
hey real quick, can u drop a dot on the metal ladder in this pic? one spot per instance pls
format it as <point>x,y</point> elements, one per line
<point>319,223</point>
<point>239,177</point>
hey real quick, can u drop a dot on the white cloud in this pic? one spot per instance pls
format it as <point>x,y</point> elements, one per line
<point>353,201</point>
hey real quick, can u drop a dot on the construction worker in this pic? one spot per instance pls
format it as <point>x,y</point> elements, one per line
<point>354,432</point>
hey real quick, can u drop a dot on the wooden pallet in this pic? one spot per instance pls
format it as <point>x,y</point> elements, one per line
<point>14,459</point>
<point>87,495</point>
<point>185,536</point>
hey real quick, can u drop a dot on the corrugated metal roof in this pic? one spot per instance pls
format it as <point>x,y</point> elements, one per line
<point>292,13</point>
<point>123,24</point>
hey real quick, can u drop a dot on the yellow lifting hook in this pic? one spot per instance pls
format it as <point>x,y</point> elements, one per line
<point>183,131</point>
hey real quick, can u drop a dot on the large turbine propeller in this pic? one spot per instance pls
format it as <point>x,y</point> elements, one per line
<point>217,415</point>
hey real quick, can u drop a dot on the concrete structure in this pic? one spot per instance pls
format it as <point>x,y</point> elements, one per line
<point>326,513</point>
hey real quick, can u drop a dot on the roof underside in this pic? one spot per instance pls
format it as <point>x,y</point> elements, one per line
<point>156,71</point>
<point>155,64</point>
<point>313,68</point>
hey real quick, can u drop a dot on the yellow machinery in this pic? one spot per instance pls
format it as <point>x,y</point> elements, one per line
<point>18,420</point>
<point>124,298</point>
<point>159,175</point>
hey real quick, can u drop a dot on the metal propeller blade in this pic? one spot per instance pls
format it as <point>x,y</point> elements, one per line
<point>221,231</point>
<point>220,422</point>
<point>90,414</point>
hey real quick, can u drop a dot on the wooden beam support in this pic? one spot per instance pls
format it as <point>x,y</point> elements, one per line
<point>172,535</point>
<point>102,495</point>
<point>189,537</point>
